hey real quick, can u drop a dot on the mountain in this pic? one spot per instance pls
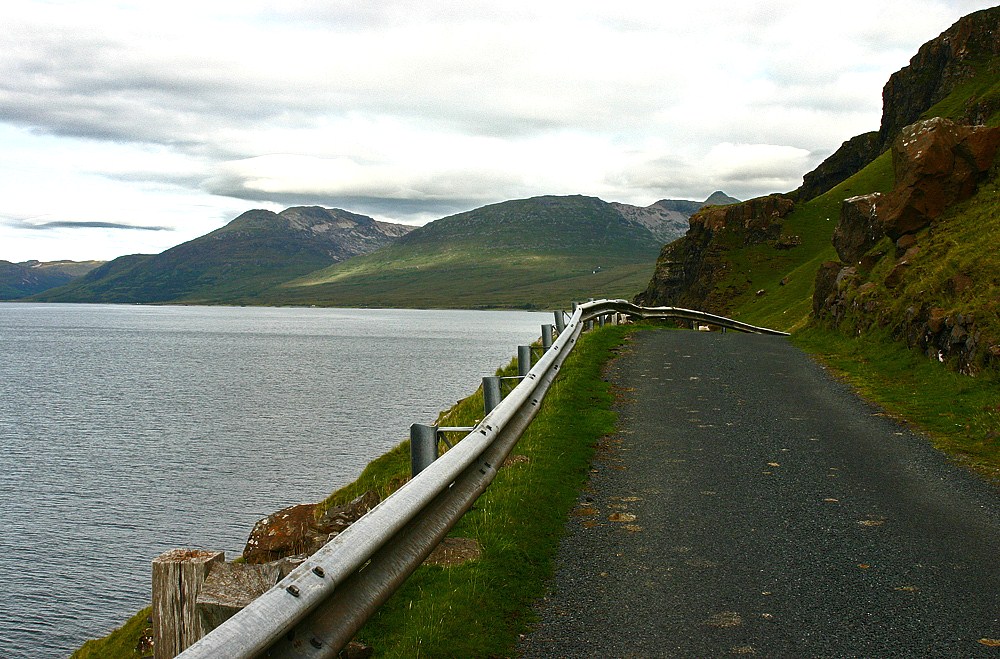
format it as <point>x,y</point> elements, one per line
<point>20,280</point>
<point>668,218</point>
<point>257,250</point>
<point>542,251</point>
<point>904,245</point>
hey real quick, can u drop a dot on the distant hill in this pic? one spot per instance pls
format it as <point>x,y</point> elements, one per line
<point>254,252</point>
<point>668,218</point>
<point>538,252</point>
<point>20,280</point>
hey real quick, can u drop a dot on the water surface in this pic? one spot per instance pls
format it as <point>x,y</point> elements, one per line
<point>130,430</point>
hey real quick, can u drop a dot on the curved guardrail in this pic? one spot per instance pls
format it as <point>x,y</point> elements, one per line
<point>319,606</point>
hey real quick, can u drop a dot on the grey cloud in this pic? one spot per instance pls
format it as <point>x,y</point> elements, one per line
<point>80,224</point>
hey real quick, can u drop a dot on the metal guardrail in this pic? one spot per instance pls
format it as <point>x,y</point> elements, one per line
<point>321,604</point>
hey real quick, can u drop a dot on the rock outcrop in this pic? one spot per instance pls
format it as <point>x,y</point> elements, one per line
<point>849,159</point>
<point>299,530</point>
<point>689,268</point>
<point>937,69</point>
<point>955,56</point>
<point>937,164</point>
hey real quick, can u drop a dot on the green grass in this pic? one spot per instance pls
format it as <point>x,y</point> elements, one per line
<point>479,608</point>
<point>960,414</point>
<point>119,644</point>
<point>788,306</point>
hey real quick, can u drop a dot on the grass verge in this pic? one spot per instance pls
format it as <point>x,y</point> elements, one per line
<point>960,414</point>
<point>123,643</point>
<point>478,609</point>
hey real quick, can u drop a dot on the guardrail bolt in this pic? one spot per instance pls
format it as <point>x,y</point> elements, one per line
<point>319,572</point>
<point>293,590</point>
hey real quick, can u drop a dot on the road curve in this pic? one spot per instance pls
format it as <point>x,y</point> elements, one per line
<point>751,505</point>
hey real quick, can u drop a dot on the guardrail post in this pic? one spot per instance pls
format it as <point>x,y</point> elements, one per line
<point>546,337</point>
<point>178,576</point>
<point>600,320</point>
<point>560,320</point>
<point>523,360</point>
<point>423,447</point>
<point>491,393</point>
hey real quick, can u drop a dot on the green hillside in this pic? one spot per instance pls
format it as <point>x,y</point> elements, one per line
<point>530,253</point>
<point>256,251</point>
<point>968,234</point>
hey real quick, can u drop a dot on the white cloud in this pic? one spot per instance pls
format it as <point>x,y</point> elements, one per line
<point>187,113</point>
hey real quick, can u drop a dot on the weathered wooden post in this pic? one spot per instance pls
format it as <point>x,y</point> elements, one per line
<point>523,360</point>
<point>423,447</point>
<point>491,393</point>
<point>546,337</point>
<point>178,576</point>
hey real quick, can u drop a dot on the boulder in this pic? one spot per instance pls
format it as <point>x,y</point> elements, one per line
<point>937,163</point>
<point>858,229</point>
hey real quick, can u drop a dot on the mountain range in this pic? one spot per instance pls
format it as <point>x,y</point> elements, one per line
<point>529,252</point>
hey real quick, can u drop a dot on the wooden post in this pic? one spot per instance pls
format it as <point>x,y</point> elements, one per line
<point>177,578</point>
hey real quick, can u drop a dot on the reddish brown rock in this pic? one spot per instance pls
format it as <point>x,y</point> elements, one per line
<point>753,215</point>
<point>937,163</point>
<point>297,529</point>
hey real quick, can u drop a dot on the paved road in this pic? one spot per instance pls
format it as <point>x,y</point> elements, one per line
<point>750,505</point>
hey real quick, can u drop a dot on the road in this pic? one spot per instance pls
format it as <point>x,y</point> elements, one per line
<point>750,505</point>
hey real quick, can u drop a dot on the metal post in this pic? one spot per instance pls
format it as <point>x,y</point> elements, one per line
<point>560,320</point>
<point>575,305</point>
<point>523,360</point>
<point>491,393</point>
<point>600,320</point>
<point>423,447</point>
<point>546,337</point>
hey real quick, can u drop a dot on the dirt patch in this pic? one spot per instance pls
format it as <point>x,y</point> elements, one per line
<point>454,551</point>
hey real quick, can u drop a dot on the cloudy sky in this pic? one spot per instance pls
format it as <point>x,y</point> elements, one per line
<point>131,127</point>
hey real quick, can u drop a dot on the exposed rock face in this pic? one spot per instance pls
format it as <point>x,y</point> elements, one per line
<point>688,269</point>
<point>297,530</point>
<point>858,229</point>
<point>938,67</point>
<point>849,159</point>
<point>934,72</point>
<point>937,163</point>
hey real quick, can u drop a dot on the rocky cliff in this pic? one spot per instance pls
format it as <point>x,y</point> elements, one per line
<point>960,54</point>
<point>908,262</point>
<point>691,271</point>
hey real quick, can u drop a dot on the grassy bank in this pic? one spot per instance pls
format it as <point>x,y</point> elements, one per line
<point>960,414</point>
<point>477,609</point>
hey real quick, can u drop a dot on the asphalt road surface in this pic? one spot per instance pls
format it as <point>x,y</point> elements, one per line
<point>750,505</point>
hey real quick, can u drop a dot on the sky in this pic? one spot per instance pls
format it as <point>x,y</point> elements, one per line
<point>131,127</point>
